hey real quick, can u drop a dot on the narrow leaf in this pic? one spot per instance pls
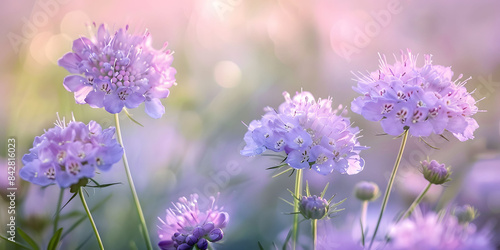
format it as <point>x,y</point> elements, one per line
<point>282,172</point>
<point>54,241</point>
<point>287,238</point>
<point>68,201</point>
<point>105,185</point>
<point>132,119</point>
<point>260,246</point>
<point>324,190</point>
<point>27,238</point>
<point>286,201</point>
<point>14,242</point>
<point>84,217</point>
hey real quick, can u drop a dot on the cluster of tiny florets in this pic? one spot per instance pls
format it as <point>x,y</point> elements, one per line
<point>310,133</point>
<point>186,227</point>
<point>69,152</point>
<point>424,99</point>
<point>119,70</point>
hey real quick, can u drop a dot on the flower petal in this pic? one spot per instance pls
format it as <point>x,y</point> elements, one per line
<point>154,108</point>
<point>112,103</point>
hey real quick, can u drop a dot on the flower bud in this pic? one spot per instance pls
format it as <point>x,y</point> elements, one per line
<point>167,245</point>
<point>179,238</point>
<point>202,244</point>
<point>465,213</point>
<point>221,220</point>
<point>313,207</point>
<point>208,226</point>
<point>191,240</point>
<point>215,235</point>
<point>366,191</point>
<point>184,246</point>
<point>198,232</point>
<point>435,172</point>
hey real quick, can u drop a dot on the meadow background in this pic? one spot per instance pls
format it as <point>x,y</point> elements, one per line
<point>233,58</point>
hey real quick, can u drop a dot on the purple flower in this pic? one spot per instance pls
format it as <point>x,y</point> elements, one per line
<point>119,70</point>
<point>313,207</point>
<point>432,231</point>
<point>186,226</point>
<point>435,172</point>
<point>69,152</point>
<point>423,99</point>
<point>310,133</point>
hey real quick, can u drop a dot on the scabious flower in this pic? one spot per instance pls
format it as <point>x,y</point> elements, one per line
<point>313,207</point>
<point>186,227</point>
<point>67,153</point>
<point>424,99</point>
<point>119,70</point>
<point>310,133</point>
<point>432,231</point>
<point>435,172</point>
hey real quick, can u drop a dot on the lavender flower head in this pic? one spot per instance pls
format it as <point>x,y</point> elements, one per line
<point>435,172</point>
<point>119,70</point>
<point>432,231</point>
<point>313,207</point>
<point>310,133</point>
<point>69,152</point>
<point>423,99</point>
<point>186,227</point>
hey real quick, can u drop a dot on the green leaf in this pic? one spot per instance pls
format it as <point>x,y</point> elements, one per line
<point>282,172</point>
<point>72,197</point>
<point>84,242</point>
<point>84,217</point>
<point>288,236</point>
<point>132,119</point>
<point>105,185</point>
<point>54,241</point>
<point>14,242</point>
<point>278,166</point>
<point>260,246</point>
<point>27,238</point>
<point>324,190</point>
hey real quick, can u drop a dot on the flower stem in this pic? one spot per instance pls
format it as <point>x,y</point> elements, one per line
<point>298,194</point>
<point>145,233</point>
<point>314,228</point>
<point>389,185</point>
<point>80,192</point>
<point>58,211</point>
<point>364,209</point>
<point>415,203</point>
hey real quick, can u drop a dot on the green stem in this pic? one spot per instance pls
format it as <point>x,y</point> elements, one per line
<point>298,194</point>
<point>58,211</point>
<point>415,203</point>
<point>389,185</point>
<point>145,233</point>
<point>314,228</point>
<point>80,192</point>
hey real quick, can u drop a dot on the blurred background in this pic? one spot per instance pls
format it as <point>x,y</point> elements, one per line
<point>233,58</point>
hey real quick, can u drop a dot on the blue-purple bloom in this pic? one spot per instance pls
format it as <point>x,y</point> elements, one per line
<point>313,207</point>
<point>119,70</point>
<point>435,172</point>
<point>310,133</point>
<point>185,226</point>
<point>435,231</point>
<point>69,152</point>
<point>424,99</point>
